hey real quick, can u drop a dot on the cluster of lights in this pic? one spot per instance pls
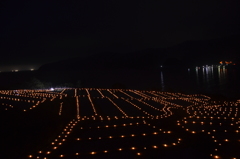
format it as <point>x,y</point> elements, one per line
<point>220,121</point>
<point>74,125</point>
<point>89,97</point>
<point>203,115</point>
<point>112,93</point>
<point>60,109</point>
<point>22,97</point>
<point>62,138</point>
<point>164,102</point>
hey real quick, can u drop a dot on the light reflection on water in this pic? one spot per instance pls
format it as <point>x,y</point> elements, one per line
<point>210,73</point>
<point>162,82</point>
<point>209,79</point>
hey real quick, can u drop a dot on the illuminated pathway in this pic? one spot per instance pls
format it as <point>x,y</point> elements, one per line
<point>132,126</point>
<point>118,123</point>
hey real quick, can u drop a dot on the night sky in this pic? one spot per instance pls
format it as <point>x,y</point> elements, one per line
<point>36,32</point>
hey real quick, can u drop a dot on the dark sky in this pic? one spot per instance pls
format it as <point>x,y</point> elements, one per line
<point>36,32</point>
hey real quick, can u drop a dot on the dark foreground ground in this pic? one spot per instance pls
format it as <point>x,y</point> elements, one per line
<point>117,123</point>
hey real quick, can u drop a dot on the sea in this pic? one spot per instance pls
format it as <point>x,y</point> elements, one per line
<point>212,80</point>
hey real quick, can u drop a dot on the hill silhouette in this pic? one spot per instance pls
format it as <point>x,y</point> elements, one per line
<point>186,54</point>
<point>108,69</point>
<point>138,69</point>
<point>144,59</point>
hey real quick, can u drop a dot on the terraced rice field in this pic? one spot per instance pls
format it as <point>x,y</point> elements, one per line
<point>117,123</point>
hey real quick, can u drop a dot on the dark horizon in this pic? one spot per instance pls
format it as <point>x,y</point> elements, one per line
<point>39,32</point>
<point>179,51</point>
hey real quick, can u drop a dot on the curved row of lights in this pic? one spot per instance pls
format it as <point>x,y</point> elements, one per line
<point>200,110</point>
